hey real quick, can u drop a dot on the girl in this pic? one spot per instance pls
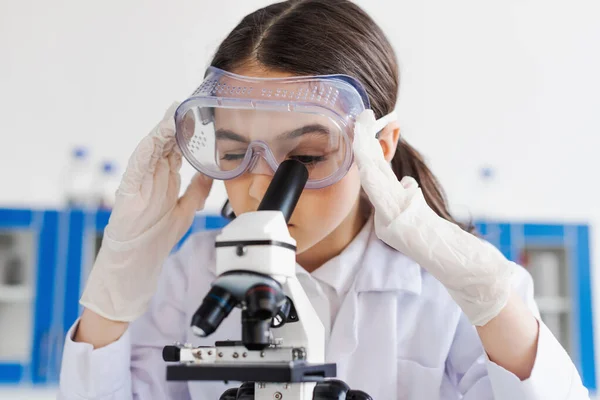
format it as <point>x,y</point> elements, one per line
<point>414,306</point>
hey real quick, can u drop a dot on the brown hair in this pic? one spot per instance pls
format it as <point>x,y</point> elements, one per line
<point>319,37</point>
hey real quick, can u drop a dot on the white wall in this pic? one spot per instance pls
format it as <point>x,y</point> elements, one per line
<point>512,85</point>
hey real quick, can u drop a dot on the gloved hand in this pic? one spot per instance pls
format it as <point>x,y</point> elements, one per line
<point>148,219</point>
<point>477,275</point>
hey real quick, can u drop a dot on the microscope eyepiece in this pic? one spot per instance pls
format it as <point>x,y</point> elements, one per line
<point>285,189</point>
<point>215,307</point>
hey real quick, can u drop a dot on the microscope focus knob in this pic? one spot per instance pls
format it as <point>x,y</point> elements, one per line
<point>357,395</point>
<point>230,394</point>
<point>246,391</point>
<point>332,389</point>
<point>171,353</point>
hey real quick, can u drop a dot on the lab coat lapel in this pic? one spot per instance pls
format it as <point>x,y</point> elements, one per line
<point>344,333</point>
<point>375,360</point>
<point>363,340</point>
<point>363,343</point>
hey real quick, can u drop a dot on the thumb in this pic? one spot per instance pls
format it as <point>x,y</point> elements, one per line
<point>195,195</point>
<point>362,142</point>
<point>408,182</point>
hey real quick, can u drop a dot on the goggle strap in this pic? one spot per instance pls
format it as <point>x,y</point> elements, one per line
<point>383,121</point>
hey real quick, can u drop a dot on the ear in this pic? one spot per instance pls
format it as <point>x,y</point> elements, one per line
<point>388,139</point>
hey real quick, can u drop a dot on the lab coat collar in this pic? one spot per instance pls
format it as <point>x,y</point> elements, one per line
<point>340,272</point>
<point>385,269</point>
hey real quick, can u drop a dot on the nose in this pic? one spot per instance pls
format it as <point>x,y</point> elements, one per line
<point>258,186</point>
<point>260,172</point>
<point>260,177</point>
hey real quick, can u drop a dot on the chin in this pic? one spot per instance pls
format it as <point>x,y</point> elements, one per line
<point>296,234</point>
<point>303,243</point>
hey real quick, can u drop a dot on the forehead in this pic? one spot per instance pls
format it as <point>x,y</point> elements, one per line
<point>258,71</point>
<point>244,121</point>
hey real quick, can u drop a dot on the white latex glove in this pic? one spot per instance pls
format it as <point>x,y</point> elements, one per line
<point>477,275</point>
<point>148,219</point>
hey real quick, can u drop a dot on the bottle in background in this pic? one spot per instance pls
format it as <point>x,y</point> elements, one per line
<point>106,184</point>
<point>78,178</point>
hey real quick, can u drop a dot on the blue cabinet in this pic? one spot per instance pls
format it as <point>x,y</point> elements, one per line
<point>30,243</point>
<point>558,258</point>
<point>53,250</point>
<point>56,249</point>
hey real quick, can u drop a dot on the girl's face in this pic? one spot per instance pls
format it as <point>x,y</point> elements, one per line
<point>319,211</point>
<point>325,220</point>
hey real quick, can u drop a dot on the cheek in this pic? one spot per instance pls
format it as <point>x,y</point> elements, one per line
<point>335,200</point>
<point>320,211</point>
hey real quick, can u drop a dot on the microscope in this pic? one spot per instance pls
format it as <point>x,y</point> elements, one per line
<point>281,352</point>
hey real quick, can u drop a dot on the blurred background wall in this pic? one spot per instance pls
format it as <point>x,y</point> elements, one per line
<point>501,97</point>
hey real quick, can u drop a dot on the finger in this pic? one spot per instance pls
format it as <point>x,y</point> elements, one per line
<point>137,167</point>
<point>195,195</point>
<point>377,177</point>
<point>384,198</point>
<point>382,187</point>
<point>365,145</point>
<point>175,161</point>
<point>148,152</point>
<point>366,118</point>
<point>166,127</point>
<point>163,136</point>
<point>384,166</point>
<point>408,182</point>
<point>156,186</point>
<point>370,156</point>
<point>374,151</point>
<point>361,137</point>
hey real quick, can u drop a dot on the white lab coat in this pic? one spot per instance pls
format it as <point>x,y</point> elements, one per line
<point>397,335</point>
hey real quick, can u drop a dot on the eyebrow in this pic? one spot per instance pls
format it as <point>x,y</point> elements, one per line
<point>313,128</point>
<point>226,134</point>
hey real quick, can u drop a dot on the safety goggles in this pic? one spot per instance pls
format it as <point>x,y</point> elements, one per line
<point>234,124</point>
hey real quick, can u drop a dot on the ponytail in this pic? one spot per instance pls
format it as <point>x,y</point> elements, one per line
<point>409,162</point>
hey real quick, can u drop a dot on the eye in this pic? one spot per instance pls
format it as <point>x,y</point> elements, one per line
<point>308,160</point>
<point>233,157</point>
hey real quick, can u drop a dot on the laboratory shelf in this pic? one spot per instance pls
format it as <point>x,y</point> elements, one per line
<point>46,256</point>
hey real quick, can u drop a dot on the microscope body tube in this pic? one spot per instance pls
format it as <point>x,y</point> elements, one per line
<point>285,189</point>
